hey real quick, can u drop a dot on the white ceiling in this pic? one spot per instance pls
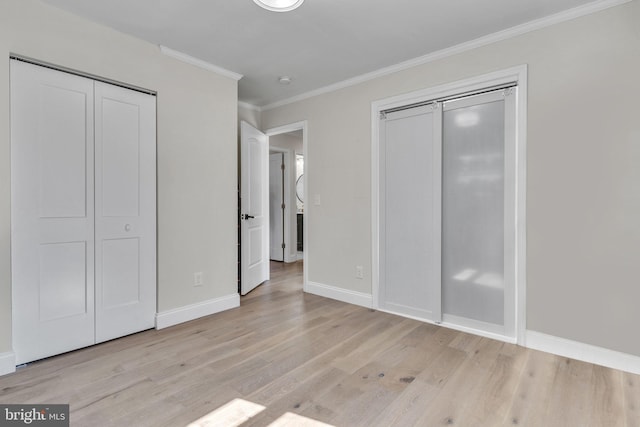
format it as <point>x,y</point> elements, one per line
<point>321,43</point>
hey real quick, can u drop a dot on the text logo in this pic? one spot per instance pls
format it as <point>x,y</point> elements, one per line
<point>34,415</point>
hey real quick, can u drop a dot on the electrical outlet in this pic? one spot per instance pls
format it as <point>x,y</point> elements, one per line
<point>197,279</point>
<point>359,272</point>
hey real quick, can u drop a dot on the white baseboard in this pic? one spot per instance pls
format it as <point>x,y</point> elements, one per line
<point>291,257</point>
<point>194,311</point>
<point>7,363</point>
<point>581,351</point>
<point>476,327</point>
<point>340,294</point>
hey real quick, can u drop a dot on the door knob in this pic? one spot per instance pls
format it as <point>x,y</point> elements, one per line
<point>127,227</point>
<point>247,216</point>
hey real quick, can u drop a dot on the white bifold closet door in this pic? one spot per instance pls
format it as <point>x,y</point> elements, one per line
<point>83,211</point>
<point>447,212</point>
<point>52,243</point>
<point>125,211</point>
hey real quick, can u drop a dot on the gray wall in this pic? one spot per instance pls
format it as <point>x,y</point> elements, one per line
<point>197,120</point>
<point>583,157</point>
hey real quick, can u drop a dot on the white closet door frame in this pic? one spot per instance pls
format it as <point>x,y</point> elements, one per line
<point>517,198</point>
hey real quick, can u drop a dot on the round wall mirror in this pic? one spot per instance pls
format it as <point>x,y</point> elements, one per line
<point>300,188</point>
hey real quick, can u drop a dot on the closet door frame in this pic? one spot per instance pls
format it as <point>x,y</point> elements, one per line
<point>515,166</point>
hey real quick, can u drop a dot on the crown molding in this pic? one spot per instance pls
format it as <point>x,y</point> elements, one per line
<point>518,30</point>
<point>199,63</point>
<point>248,106</point>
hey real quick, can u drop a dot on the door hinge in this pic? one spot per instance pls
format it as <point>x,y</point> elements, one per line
<point>282,206</point>
<point>283,246</point>
<point>282,166</point>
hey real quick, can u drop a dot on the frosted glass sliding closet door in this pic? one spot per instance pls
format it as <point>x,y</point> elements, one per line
<point>447,211</point>
<point>474,269</point>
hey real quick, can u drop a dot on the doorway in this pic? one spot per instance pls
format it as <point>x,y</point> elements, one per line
<point>286,196</point>
<point>268,213</point>
<point>291,142</point>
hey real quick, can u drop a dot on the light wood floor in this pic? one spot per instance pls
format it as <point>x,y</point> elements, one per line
<point>292,358</point>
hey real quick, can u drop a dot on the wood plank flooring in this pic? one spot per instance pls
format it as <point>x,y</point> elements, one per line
<point>285,358</point>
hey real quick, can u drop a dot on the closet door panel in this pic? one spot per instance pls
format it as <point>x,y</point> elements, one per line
<point>125,211</point>
<point>473,230</point>
<point>120,272</point>
<point>120,158</point>
<point>52,245</point>
<point>410,262</point>
<point>62,152</point>
<point>63,276</point>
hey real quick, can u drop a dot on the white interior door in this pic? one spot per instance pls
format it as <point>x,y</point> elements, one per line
<point>254,207</point>
<point>410,212</point>
<point>276,206</point>
<point>52,211</point>
<point>125,226</point>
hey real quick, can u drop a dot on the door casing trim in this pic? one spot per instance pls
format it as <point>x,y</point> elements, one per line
<point>292,127</point>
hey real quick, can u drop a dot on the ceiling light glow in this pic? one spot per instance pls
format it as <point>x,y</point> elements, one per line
<point>278,5</point>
